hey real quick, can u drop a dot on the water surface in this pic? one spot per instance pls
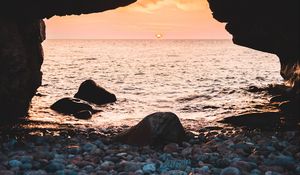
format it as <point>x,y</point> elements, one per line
<point>199,80</point>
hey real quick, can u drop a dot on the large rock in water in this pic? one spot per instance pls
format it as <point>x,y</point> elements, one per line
<point>266,25</point>
<point>91,92</point>
<point>72,106</point>
<point>21,55</point>
<point>156,129</point>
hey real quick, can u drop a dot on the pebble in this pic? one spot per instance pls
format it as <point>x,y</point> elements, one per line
<point>175,165</point>
<point>149,168</point>
<point>204,170</point>
<point>234,153</point>
<point>230,171</point>
<point>255,172</point>
<point>36,172</point>
<point>131,166</point>
<point>54,166</point>
<point>175,172</point>
<point>26,166</point>
<point>14,163</point>
<point>285,161</point>
<point>272,173</point>
<point>6,172</point>
<point>88,147</point>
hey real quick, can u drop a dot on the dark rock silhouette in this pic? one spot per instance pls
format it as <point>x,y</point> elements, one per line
<point>91,92</point>
<point>33,9</point>
<point>85,114</point>
<point>21,55</point>
<point>72,106</point>
<point>155,129</point>
<point>266,25</point>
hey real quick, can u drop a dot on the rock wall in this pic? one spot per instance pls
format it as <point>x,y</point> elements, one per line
<point>21,57</point>
<point>266,25</point>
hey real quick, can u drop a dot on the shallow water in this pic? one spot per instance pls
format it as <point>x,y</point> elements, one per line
<point>199,80</point>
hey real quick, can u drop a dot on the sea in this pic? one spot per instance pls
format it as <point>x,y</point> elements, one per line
<point>201,81</point>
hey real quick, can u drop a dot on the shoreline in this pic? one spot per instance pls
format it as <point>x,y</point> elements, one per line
<point>210,150</point>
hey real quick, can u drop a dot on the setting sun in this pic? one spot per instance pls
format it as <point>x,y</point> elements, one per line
<point>158,36</point>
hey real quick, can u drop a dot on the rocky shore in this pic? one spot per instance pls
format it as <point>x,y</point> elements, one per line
<point>212,150</point>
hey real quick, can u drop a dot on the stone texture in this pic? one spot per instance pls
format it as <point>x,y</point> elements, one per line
<point>21,57</point>
<point>155,129</point>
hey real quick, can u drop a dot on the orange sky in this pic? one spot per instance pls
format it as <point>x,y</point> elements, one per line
<point>174,19</point>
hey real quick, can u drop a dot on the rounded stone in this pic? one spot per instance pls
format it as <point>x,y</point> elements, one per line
<point>149,168</point>
<point>230,171</point>
<point>14,163</point>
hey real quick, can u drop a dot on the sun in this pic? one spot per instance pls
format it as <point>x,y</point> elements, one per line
<point>158,36</point>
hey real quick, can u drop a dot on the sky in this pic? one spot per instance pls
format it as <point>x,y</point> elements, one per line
<point>145,19</point>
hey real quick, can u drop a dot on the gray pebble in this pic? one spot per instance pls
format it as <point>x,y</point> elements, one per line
<point>230,171</point>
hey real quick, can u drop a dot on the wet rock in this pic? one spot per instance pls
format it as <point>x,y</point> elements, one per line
<point>230,171</point>
<point>254,89</point>
<point>86,114</point>
<point>91,92</point>
<point>73,106</point>
<point>255,120</point>
<point>280,98</point>
<point>156,129</point>
<point>290,107</point>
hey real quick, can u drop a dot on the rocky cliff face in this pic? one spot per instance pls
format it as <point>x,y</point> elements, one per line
<point>21,55</point>
<point>266,25</point>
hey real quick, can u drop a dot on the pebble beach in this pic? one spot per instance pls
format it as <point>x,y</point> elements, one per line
<point>212,150</point>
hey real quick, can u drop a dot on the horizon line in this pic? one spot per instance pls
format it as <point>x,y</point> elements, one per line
<point>138,39</point>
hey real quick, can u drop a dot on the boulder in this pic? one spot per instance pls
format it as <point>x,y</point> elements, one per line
<point>156,129</point>
<point>91,92</point>
<point>74,106</point>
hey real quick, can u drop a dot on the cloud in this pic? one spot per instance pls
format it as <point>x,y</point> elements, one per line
<point>186,5</point>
